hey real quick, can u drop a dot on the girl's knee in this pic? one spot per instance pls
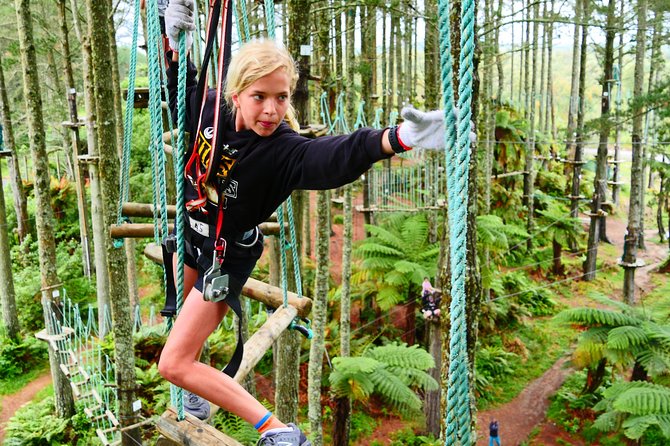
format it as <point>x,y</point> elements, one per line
<point>170,368</point>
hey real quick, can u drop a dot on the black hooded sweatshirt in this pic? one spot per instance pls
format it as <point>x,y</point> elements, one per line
<point>267,169</point>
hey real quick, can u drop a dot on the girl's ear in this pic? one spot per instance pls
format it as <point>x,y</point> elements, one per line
<point>236,100</point>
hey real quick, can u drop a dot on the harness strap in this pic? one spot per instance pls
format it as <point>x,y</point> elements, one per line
<point>204,173</point>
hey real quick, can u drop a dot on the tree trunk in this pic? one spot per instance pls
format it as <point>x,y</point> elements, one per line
<point>431,402</point>
<point>49,281</point>
<point>76,142</point>
<point>19,195</point>
<point>317,346</point>
<point>629,259</point>
<point>579,140</point>
<point>10,317</point>
<point>574,88</point>
<point>124,354</point>
<point>431,54</point>
<point>299,26</point>
<point>529,176</point>
<point>527,100</point>
<point>596,228</point>
<point>541,84</point>
<point>656,60</point>
<point>342,411</point>
<point>287,373</point>
<point>97,217</point>
<point>615,175</point>
<point>557,249</point>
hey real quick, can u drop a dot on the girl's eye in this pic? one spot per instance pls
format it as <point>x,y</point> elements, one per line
<point>283,97</point>
<point>257,97</point>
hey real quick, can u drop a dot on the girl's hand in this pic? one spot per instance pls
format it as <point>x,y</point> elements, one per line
<point>179,17</point>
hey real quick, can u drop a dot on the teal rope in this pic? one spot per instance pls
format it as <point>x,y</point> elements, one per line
<point>377,124</point>
<point>360,116</point>
<point>284,245</point>
<point>458,402</point>
<point>124,182</point>
<point>158,157</point>
<point>245,19</point>
<point>270,18</point>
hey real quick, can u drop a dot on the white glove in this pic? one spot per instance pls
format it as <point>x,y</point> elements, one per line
<point>426,129</point>
<point>422,129</point>
<point>179,17</point>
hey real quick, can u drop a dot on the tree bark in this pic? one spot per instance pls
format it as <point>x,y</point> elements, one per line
<point>617,131</point>
<point>75,140</point>
<point>124,354</point>
<point>635,208</point>
<point>10,317</point>
<point>18,194</point>
<point>97,217</point>
<point>43,213</point>
<point>579,140</point>
<point>529,176</point>
<point>342,412</point>
<point>317,346</point>
<point>574,88</point>
<point>596,228</point>
<point>431,54</point>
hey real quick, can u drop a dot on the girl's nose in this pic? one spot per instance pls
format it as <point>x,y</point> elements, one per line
<point>270,108</point>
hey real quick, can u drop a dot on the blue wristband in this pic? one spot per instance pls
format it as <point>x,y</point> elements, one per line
<point>263,420</point>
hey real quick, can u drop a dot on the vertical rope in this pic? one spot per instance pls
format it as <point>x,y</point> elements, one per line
<point>457,144</point>
<point>124,183</point>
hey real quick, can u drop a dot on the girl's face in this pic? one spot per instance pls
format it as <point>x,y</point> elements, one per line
<point>261,107</point>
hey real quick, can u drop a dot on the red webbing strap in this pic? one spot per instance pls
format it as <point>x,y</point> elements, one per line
<point>201,98</point>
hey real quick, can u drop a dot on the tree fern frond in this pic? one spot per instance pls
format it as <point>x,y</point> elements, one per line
<point>392,389</point>
<point>659,333</point>
<point>647,399</point>
<point>386,237</point>
<point>595,335</point>
<point>351,377</point>
<point>621,338</point>
<point>378,250</point>
<point>414,378</point>
<point>655,361</point>
<point>635,427</point>
<point>608,421</point>
<point>379,264</point>
<point>593,316</point>
<point>387,298</point>
<point>402,355</point>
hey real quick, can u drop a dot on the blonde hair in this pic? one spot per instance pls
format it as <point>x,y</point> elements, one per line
<point>254,60</point>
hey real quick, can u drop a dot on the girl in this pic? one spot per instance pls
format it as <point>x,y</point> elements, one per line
<point>260,161</point>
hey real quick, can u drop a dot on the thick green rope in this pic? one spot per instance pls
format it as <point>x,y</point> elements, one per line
<point>283,243</point>
<point>124,182</point>
<point>457,142</point>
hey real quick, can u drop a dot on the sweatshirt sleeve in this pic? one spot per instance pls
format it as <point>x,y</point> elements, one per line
<point>172,74</point>
<point>329,161</point>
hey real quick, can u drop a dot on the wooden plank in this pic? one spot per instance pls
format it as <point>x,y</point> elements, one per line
<point>191,431</point>
<point>134,230</point>
<point>261,341</point>
<point>146,230</point>
<point>271,296</point>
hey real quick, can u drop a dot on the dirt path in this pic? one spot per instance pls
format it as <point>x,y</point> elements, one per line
<point>518,417</point>
<point>527,411</point>
<point>10,403</point>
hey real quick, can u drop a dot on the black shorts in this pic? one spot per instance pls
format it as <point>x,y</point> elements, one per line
<point>239,261</point>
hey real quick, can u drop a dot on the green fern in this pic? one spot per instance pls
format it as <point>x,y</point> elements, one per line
<point>593,316</point>
<point>392,371</point>
<point>621,338</point>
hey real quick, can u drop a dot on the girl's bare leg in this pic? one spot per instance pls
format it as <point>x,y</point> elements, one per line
<point>179,361</point>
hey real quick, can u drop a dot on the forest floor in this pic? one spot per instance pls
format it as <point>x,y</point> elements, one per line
<point>526,414</point>
<point>521,417</point>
